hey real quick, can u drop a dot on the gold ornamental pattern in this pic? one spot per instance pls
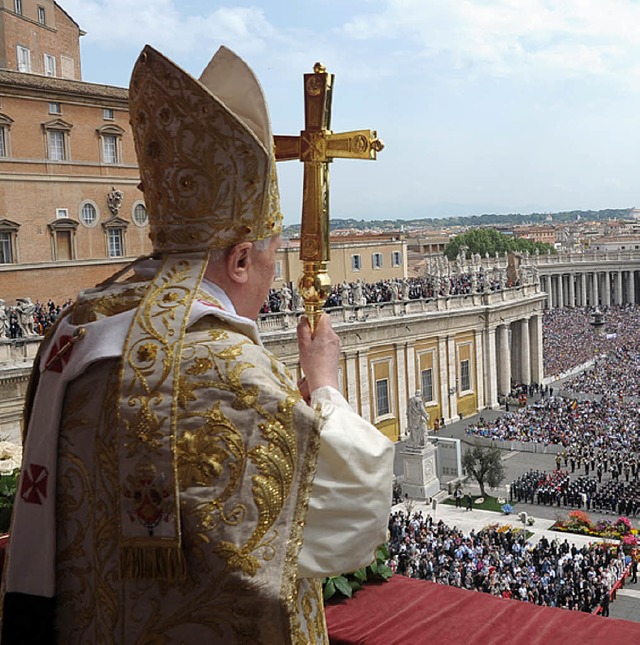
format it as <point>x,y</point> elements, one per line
<point>213,452</point>
<point>214,183</point>
<point>147,420</point>
<point>246,447</point>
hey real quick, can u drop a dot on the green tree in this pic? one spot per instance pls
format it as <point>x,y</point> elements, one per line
<point>489,240</point>
<point>485,465</point>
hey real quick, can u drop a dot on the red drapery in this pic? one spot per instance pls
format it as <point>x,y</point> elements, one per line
<point>411,612</point>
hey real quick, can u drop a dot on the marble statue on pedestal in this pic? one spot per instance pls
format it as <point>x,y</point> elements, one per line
<point>345,292</point>
<point>417,421</point>
<point>285,298</point>
<point>25,310</point>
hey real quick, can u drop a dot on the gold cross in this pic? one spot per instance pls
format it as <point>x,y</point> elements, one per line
<point>316,147</point>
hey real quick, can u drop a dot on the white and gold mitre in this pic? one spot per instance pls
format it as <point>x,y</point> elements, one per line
<point>205,152</point>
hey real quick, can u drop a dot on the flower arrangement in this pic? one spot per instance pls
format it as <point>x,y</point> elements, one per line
<point>507,509</point>
<point>580,522</point>
<point>10,461</point>
<point>500,528</point>
<point>579,519</point>
<point>623,525</point>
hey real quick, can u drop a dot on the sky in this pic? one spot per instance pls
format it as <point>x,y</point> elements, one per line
<point>484,106</point>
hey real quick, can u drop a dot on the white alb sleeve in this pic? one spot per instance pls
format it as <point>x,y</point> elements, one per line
<point>351,493</point>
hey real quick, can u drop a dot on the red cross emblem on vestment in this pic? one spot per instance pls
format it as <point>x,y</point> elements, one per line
<point>59,354</point>
<point>61,350</point>
<point>34,484</point>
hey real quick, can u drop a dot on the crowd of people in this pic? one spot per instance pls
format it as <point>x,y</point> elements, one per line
<point>570,340</point>
<point>359,293</point>
<point>29,319</point>
<point>501,562</point>
<point>606,423</point>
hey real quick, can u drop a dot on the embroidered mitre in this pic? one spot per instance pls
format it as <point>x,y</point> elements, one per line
<point>205,152</point>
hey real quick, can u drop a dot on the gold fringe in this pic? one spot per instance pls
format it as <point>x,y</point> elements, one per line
<point>154,562</point>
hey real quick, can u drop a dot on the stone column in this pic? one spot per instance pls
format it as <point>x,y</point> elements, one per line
<point>524,351</point>
<point>490,369</point>
<point>583,289</point>
<point>352,380</point>
<point>572,290</point>
<point>453,381</point>
<point>560,291</point>
<point>596,290</point>
<point>403,392</point>
<point>515,351</point>
<point>549,290</point>
<point>504,356</point>
<point>480,366</point>
<point>535,341</point>
<point>365,390</point>
<point>618,284</point>
<point>545,285</point>
<point>443,372</point>
<point>411,371</point>
<point>606,296</point>
<point>631,292</point>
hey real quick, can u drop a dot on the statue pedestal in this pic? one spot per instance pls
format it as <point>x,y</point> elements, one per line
<point>419,466</point>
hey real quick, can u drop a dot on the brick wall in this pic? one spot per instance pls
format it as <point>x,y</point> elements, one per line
<point>56,282</point>
<point>59,36</point>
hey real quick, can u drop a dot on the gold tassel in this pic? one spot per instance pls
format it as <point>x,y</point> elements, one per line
<point>153,562</point>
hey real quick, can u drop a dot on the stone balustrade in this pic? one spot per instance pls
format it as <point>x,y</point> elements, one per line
<point>277,322</point>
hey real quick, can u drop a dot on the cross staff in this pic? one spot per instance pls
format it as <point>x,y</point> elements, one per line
<point>316,147</point>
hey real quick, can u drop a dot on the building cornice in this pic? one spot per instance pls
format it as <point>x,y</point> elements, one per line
<point>42,86</point>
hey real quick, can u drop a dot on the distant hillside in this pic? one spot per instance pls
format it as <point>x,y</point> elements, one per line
<point>489,219</point>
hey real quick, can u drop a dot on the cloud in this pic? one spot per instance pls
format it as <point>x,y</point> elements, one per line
<point>531,39</point>
<point>114,24</point>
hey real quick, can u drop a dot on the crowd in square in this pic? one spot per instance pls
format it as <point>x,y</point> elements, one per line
<point>500,561</point>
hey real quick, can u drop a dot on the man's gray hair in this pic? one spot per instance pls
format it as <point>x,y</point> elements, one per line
<point>259,245</point>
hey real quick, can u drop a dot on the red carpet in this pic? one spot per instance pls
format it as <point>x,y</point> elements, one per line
<point>412,612</point>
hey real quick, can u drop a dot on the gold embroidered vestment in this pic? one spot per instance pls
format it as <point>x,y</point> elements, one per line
<point>246,448</point>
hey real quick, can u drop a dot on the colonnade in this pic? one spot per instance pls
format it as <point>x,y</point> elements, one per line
<point>518,354</point>
<point>597,287</point>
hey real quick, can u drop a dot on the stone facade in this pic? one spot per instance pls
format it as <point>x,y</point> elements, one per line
<point>353,258</point>
<point>44,29</point>
<point>65,149</point>
<point>451,348</point>
<point>461,351</point>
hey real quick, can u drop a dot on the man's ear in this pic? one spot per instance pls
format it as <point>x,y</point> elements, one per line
<point>238,262</point>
